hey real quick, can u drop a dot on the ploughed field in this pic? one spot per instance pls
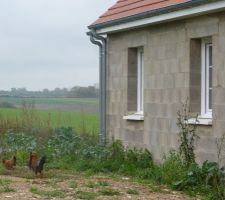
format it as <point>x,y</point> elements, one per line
<point>87,105</point>
<point>79,113</point>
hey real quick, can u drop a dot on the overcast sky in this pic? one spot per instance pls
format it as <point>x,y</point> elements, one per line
<point>43,43</point>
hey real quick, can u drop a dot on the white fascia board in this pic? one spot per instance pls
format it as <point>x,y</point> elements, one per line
<point>207,8</point>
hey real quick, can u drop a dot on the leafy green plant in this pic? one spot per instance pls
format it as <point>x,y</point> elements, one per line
<point>116,151</point>
<point>209,175</point>
<point>139,157</point>
<point>64,141</point>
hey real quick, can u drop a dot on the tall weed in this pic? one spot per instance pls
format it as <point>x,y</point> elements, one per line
<point>187,136</point>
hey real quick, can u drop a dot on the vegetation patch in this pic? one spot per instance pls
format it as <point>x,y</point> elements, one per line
<point>132,191</point>
<point>109,192</point>
<point>6,105</point>
<point>67,149</point>
<point>86,195</point>
<point>43,121</point>
<point>103,183</point>
<point>54,193</point>
<point>5,186</point>
<point>91,184</point>
<point>73,184</point>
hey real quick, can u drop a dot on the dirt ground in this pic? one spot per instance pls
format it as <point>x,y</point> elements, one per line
<point>69,186</point>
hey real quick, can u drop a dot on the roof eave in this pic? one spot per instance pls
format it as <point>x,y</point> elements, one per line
<point>172,12</point>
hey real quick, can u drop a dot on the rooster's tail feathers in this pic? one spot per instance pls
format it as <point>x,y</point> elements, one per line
<point>14,160</point>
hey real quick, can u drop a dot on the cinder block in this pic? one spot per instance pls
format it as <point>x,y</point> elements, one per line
<point>202,26</point>
<point>171,76</point>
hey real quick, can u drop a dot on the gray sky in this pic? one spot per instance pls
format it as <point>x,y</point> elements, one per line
<point>43,43</point>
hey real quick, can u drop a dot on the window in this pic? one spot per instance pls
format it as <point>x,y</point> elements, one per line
<point>140,80</point>
<point>206,78</point>
<point>135,93</point>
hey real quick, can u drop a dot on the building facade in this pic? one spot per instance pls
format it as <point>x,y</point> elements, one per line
<point>153,69</point>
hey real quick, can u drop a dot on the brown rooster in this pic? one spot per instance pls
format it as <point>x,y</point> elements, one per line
<point>36,164</point>
<point>9,164</point>
<point>33,160</point>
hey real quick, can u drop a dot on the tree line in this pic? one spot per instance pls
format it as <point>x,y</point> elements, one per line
<point>74,92</point>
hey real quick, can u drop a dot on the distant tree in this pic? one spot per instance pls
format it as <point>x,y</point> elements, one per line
<point>74,92</point>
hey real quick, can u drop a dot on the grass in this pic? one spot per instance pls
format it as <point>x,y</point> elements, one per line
<point>5,186</point>
<point>53,113</point>
<point>54,193</point>
<point>132,191</point>
<point>82,122</point>
<point>92,184</point>
<point>86,195</point>
<point>73,184</point>
<point>109,192</point>
<point>63,101</point>
<point>103,183</point>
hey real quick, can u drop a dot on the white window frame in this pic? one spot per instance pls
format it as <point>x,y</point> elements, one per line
<point>139,114</point>
<point>140,80</point>
<point>206,112</point>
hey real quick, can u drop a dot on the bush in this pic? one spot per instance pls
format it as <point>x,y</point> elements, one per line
<point>139,157</point>
<point>64,141</point>
<point>173,168</point>
<point>209,176</point>
<point>13,142</point>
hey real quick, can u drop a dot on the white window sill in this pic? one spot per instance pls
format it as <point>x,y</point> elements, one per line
<point>200,121</point>
<point>134,117</point>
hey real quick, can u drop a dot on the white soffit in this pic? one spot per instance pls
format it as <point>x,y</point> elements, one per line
<point>207,8</point>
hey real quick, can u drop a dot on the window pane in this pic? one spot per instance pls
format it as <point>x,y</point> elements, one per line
<point>210,99</point>
<point>210,77</point>
<point>210,55</point>
<point>206,79</point>
<point>209,68</point>
<point>140,81</point>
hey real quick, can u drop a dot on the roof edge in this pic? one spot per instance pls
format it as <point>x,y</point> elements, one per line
<point>152,13</point>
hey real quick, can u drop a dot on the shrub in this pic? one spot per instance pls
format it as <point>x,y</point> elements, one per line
<point>173,168</point>
<point>139,157</point>
<point>209,176</point>
<point>64,141</point>
<point>14,142</point>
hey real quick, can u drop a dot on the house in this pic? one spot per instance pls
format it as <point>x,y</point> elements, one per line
<point>156,54</point>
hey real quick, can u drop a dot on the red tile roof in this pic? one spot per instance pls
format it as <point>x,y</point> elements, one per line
<point>126,8</point>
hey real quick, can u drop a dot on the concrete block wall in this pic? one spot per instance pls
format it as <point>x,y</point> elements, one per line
<point>167,84</point>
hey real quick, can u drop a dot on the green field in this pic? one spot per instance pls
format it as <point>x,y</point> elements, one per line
<point>80,114</point>
<point>81,122</point>
<point>63,101</point>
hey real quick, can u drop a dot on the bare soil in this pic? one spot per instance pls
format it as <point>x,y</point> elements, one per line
<point>78,186</point>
